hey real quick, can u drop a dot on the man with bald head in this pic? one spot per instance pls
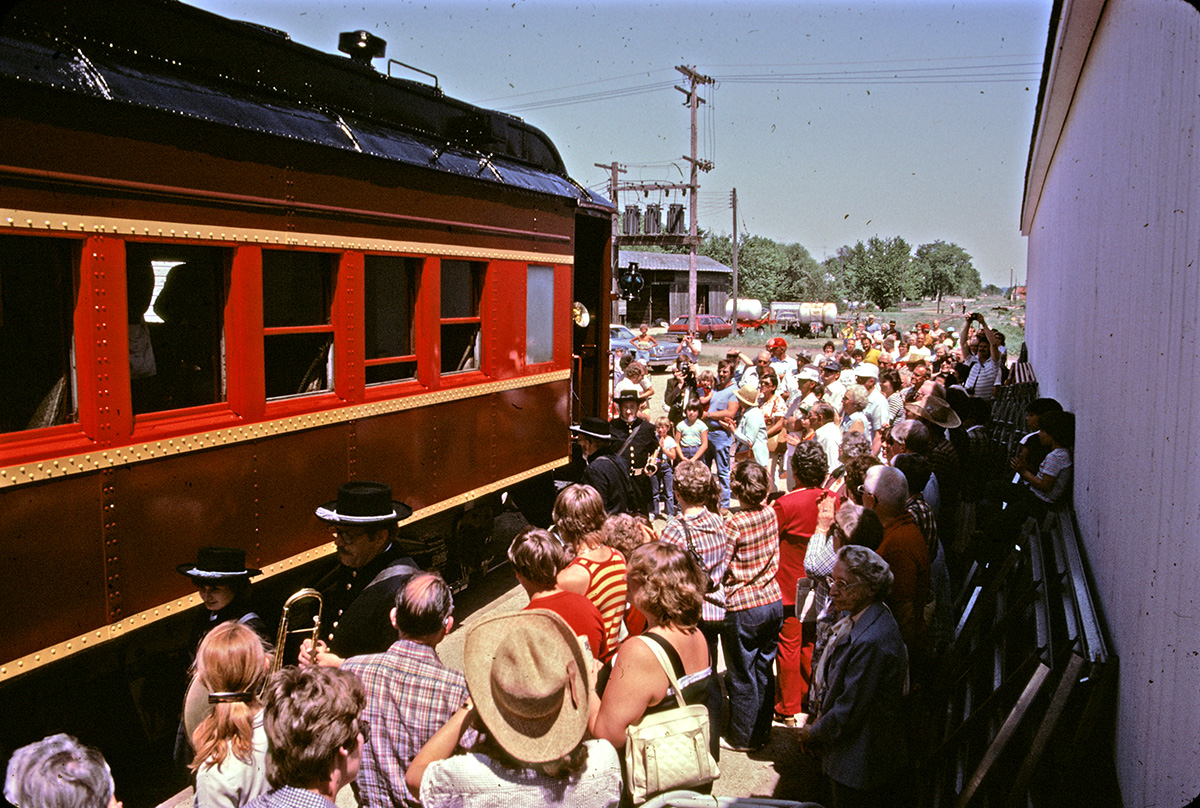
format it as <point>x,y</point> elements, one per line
<point>885,490</point>
<point>410,693</point>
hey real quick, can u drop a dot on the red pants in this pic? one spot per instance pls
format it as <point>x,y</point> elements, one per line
<point>795,666</point>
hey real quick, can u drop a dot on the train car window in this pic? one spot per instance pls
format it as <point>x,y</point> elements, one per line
<point>462,291</point>
<point>390,301</point>
<point>37,299</point>
<point>176,300</point>
<point>297,330</point>
<point>539,314</point>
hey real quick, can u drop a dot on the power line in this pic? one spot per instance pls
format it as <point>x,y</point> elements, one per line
<point>957,74</point>
<point>604,95</point>
<point>890,61</point>
<point>573,86</point>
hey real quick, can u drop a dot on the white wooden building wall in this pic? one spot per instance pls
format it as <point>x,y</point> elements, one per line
<point>1113,218</point>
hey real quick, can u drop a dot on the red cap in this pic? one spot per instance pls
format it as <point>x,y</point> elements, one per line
<point>776,342</point>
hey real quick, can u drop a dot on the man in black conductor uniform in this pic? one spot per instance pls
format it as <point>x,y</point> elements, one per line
<point>636,440</point>
<point>605,471</point>
<point>358,594</point>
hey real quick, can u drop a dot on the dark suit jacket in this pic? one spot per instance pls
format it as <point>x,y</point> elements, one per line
<point>609,475</point>
<point>860,731</point>
<point>356,605</point>
<point>644,442</point>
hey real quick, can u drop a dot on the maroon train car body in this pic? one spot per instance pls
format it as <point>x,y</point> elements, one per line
<point>236,272</point>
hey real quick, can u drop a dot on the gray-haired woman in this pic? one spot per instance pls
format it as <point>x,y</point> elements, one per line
<point>860,684</point>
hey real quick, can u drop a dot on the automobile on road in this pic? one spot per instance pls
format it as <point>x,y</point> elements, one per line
<point>708,327</point>
<point>661,355</point>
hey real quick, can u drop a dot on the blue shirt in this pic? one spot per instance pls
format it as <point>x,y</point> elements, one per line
<point>720,401</point>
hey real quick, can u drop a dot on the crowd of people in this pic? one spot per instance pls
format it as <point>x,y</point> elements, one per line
<point>814,524</point>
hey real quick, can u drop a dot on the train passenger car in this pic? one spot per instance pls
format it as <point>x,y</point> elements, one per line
<point>236,272</point>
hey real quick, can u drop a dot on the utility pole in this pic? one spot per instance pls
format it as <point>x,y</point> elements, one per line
<point>694,100</point>
<point>733,203</point>
<point>612,194</point>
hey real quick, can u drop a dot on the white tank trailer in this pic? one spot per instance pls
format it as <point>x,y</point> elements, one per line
<point>804,318</point>
<point>747,309</point>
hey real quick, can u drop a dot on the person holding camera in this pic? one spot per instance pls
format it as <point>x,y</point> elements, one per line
<point>682,389</point>
<point>985,365</point>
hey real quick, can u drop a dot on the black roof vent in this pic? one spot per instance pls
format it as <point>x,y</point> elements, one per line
<point>361,46</point>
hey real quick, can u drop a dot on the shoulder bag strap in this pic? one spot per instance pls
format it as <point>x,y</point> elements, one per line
<point>661,655</point>
<point>687,535</point>
<point>389,572</point>
<point>632,432</point>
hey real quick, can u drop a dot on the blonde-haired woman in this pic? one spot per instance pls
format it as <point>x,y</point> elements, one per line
<point>231,743</point>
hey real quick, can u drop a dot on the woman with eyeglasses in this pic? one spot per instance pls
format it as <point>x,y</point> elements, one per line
<point>859,685</point>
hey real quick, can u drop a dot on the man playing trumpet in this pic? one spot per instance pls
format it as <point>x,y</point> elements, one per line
<point>358,594</point>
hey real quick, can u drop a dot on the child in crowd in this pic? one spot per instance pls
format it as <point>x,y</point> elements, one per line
<point>1052,482</point>
<point>637,380</point>
<point>707,381</point>
<point>1032,452</point>
<point>662,484</point>
<point>691,433</point>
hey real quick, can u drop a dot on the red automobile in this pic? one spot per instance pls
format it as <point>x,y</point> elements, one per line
<point>708,327</point>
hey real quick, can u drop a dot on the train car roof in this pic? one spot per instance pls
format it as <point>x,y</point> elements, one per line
<point>192,66</point>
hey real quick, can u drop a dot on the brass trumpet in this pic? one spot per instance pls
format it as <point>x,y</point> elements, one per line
<point>282,635</point>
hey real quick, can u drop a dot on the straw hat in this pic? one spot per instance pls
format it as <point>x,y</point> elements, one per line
<point>935,411</point>
<point>748,396</point>
<point>526,673</point>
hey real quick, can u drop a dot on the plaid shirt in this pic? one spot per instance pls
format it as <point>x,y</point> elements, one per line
<point>410,696</point>
<point>944,460</point>
<point>922,514</point>
<point>708,536</point>
<point>752,559</point>
<point>290,797</point>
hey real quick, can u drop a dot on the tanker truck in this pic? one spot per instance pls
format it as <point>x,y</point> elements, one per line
<point>805,319</point>
<point>750,314</point>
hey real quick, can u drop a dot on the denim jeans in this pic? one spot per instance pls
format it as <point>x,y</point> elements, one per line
<point>712,631</point>
<point>662,490</point>
<point>721,444</point>
<point>750,638</point>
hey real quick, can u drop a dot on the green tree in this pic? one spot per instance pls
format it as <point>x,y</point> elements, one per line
<point>877,271</point>
<point>762,268</point>
<point>806,279</point>
<point>947,270</point>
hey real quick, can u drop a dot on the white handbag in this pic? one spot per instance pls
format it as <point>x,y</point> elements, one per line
<point>669,749</point>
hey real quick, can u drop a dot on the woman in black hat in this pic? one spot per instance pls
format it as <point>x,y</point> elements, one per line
<point>222,580</point>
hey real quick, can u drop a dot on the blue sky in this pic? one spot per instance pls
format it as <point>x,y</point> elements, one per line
<point>834,121</point>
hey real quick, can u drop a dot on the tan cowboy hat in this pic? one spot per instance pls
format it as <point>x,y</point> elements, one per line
<point>935,411</point>
<point>527,675</point>
<point>748,396</point>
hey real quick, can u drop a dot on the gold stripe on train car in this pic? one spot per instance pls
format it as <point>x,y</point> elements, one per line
<point>124,455</point>
<point>137,228</point>
<point>112,631</point>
